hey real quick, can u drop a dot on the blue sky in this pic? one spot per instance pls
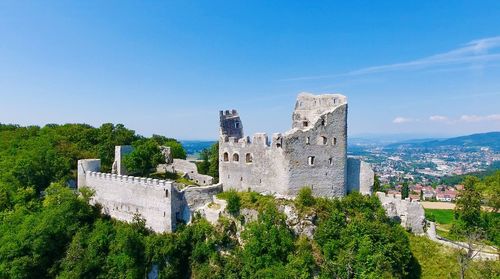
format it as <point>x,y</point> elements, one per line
<point>429,68</point>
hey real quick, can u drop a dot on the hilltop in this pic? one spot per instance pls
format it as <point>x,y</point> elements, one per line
<point>490,140</point>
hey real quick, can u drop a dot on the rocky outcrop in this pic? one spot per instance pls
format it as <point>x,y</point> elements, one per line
<point>300,225</point>
<point>410,214</point>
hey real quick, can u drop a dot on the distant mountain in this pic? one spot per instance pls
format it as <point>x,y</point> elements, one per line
<point>491,140</point>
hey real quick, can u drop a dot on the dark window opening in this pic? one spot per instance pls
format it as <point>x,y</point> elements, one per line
<point>323,121</point>
<point>236,157</point>
<point>324,140</point>
<point>248,158</point>
<point>237,125</point>
<point>308,140</point>
<point>330,161</point>
<point>166,193</point>
<point>241,178</point>
<point>310,160</point>
<point>305,123</point>
<point>334,141</point>
<point>226,157</point>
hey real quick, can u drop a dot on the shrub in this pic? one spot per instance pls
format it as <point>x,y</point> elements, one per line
<point>233,202</point>
<point>305,198</point>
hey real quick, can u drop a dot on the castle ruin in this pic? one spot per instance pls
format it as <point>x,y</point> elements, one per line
<point>312,154</point>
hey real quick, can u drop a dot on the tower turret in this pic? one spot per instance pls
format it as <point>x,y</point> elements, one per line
<point>230,124</point>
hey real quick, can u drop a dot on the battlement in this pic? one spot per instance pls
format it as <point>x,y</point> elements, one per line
<point>228,113</point>
<point>258,139</point>
<point>149,182</point>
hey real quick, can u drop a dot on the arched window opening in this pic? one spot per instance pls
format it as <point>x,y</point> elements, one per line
<point>324,140</point>
<point>248,158</point>
<point>237,125</point>
<point>310,160</point>
<point>226,157</point>
<point>236,157</point>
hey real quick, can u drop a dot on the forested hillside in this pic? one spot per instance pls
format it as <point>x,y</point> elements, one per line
<point>48,230</point>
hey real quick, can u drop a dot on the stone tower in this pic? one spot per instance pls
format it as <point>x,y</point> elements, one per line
<point>230,124</point>
<point>312,154</point>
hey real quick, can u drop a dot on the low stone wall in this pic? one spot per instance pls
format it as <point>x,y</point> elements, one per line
<point>193,198</point>
<point>188,169</point>
<point>411,214</point>
<point>122,197</point>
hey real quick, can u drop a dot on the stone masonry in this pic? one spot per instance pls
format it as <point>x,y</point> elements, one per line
<point>312,154</point>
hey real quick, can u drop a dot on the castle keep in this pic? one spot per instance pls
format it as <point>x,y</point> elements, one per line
<point>312,154</point>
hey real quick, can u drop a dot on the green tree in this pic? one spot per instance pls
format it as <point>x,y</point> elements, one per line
<point>176,147</point>
<point>233,202</point>
<point>268,242</point>
<point>376,184</point>
<point>145,156</point>
<point>405,190</point>
<point>204,165</point>
<point>213,169</point>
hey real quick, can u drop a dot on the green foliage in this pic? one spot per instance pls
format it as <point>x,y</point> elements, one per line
<point>233,202</point>
<point>210,161</point>
<point>33,242</point>
<point>405,190</point>
<point>213,170</point>
<point>268,242</point>
<point>144,158</point>
<point>176,148</point>
<point>437,261</point>
<point>468,208</point>
<point>358,241</point>
<point>376,184</point>
<point>251,200</point>
<point>304,198</point>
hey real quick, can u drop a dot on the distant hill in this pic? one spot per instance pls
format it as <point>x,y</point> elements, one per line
<point>491,140</point>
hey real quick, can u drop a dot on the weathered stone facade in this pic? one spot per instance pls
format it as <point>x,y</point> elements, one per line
<point>160,202</point>
<point>312,154</point>
<point>410,214</point>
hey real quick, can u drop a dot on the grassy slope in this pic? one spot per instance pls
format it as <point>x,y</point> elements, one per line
<point>437,261</point>
<point>443,216</point>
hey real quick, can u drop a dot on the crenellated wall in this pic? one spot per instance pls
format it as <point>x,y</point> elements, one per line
<point>123,196</point>
<point>159,202</point>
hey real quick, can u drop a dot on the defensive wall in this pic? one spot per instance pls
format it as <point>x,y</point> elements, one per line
<point>159,202</point>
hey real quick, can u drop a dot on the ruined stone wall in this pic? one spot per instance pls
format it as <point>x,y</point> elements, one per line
<point>188,169</point>
<point>317,154</point>
<point>313,153</point>
<point>309,107</point>
<point>360,176</point>
<point>252,164</point>
<point>410,214</point>
<point>122,196</point>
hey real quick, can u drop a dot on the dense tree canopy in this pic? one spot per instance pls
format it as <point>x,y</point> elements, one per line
<point>48,230</point>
